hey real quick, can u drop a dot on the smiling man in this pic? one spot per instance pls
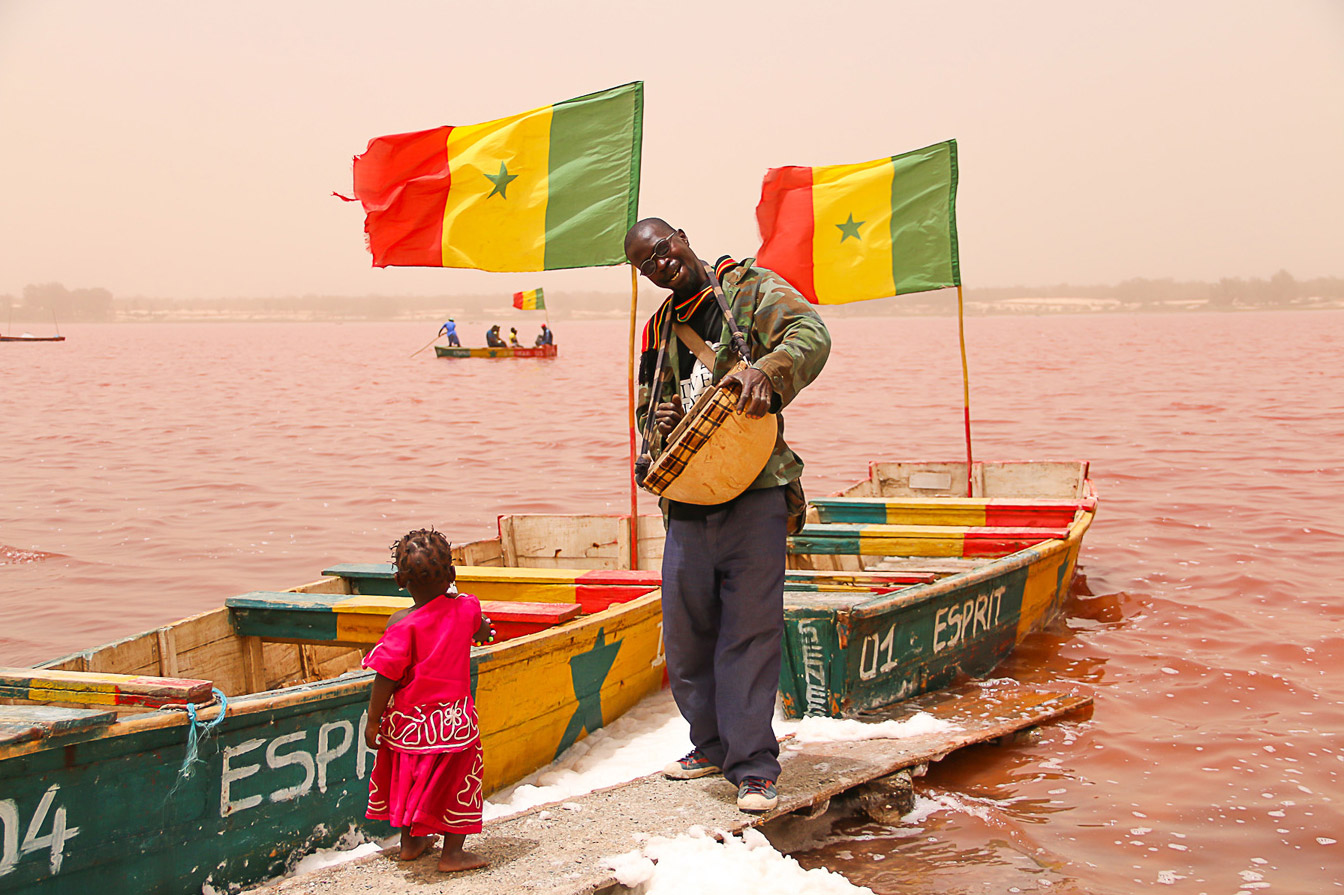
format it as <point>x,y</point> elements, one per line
<point>723,564</point>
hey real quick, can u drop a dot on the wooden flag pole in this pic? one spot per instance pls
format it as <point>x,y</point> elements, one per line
<point>630,384</point>
<point>965,389</point>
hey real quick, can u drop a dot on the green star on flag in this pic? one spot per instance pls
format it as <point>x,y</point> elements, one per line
<point>502,180</point>
<point>850,228</point>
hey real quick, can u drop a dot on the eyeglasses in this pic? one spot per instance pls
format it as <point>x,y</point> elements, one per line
<point>661,248</point>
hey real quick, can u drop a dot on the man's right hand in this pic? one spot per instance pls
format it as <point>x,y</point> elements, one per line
<point>668,414</point>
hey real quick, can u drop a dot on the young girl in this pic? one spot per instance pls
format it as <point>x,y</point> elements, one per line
<point>426,779</point>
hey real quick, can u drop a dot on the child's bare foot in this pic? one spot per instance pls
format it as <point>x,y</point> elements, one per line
<point>413,847</point>
<point>453,861</point>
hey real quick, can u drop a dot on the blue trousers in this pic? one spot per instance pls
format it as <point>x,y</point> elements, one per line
<point>723,624</point>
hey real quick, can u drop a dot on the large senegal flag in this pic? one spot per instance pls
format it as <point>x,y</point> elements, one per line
<point>846,233</point>
<point>531,300</point>
<point>551,188</point>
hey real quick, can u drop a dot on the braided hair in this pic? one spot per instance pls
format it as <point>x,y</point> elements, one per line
<point>424,556</point>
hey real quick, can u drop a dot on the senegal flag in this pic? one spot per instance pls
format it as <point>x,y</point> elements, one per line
<point>846,233</point>
<point>531,300</point>
<point>552,188</point>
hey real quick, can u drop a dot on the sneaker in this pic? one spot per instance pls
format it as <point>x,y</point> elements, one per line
<point>693,764</point>
<point>757,795</point>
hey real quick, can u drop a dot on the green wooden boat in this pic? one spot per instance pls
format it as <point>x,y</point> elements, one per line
<point>1002,562</point>
<point>94,792</point>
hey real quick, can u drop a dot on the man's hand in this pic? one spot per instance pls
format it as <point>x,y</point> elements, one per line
<point>755,391</point>
<point>668,414</point>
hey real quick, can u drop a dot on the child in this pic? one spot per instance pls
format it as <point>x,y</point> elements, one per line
<point>426,779</point>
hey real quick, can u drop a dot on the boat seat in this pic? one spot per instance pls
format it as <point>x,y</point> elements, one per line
<point>98,688</point>
<point>994,512</point>
<point>595,589</point>
<point>21,723</point>
<point>345,620</point>
<point>918,540</point>
<point>591,589</point>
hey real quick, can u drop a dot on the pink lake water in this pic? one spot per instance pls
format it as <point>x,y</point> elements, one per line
<point>149,471</point>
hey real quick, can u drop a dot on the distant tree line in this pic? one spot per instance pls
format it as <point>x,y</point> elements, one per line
<point>53,301</point>
<point>1280,290</point>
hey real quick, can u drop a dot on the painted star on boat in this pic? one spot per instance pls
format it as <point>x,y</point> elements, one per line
<point>589,671</point>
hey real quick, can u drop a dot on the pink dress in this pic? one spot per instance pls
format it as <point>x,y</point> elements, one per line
<point>427,775</point>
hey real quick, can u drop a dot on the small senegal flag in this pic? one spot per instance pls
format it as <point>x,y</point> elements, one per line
<point>846,233</point>
<point>552,188</point>
<point>531,300</point>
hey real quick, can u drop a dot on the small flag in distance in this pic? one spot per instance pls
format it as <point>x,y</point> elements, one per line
<point>531,300</point>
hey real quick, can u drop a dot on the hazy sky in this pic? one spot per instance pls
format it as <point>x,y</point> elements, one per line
<point>190,150</point>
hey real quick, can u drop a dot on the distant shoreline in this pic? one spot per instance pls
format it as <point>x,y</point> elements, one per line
<point>472,309</point>
<point>1006,308</point>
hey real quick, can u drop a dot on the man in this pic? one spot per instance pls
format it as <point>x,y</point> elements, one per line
<point>723,565</point>
<point>545,337</point>
<point>449,329</point>
<point>493,339</point>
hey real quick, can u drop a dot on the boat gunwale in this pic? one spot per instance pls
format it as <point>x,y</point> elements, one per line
<point>916,594</point>
<point>498,655</point>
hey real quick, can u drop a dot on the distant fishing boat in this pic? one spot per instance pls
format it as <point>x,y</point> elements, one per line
<point>29,337</point>
<point>539,351</point>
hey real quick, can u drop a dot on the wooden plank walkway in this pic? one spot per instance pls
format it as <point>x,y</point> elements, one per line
<point>560,849</point>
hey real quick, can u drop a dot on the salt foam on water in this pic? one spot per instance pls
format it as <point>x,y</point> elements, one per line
<point>697,864</point>
<point>829,730</point>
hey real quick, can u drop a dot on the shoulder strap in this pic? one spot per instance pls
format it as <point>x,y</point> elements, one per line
<point>699,347</point>
<point>739,341</point>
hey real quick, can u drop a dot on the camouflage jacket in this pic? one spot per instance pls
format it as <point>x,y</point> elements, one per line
<point>787,339</point>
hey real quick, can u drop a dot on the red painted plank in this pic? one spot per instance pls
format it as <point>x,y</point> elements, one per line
<point>647,577</point>
<point>514,619</point>
<point>595,598</point>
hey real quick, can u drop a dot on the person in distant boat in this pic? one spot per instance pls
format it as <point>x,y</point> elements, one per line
<point>723,564</point>
<point>493,339</point>
<point>449,329</point>
<point>545,337</point>
<point>426,778</point>
<point>513,337</point>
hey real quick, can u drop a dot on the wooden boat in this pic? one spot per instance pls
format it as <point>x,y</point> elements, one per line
<point>94,792</point>
<point>897,587</point>
<point>26,337</point>
<point>539,351</point>
<point>999,565</point>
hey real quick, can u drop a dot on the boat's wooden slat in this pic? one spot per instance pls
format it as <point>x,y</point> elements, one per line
<point>94,688</point>
<point>1036,478</point>
<point>938,566</point>
<point>478,574</point>
<point>20,723</point>
<point>592,589</point>
<point>167,652</point>
<point>360,620</point>
<point>961,511</point>
<point>918,540</point>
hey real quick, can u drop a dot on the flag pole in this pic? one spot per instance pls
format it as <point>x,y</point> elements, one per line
<point>965,388</point>
<point>630,406</point>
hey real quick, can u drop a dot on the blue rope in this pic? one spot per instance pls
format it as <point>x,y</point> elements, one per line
<point>197,732</point>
